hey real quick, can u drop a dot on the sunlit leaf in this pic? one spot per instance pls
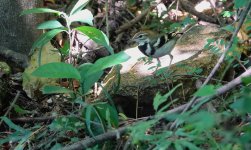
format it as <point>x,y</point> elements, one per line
<point>108,61</point>
<point>52,24</point>
<point>84,16</point>
<point>78,6</point>
<point>57,70</point>
<point>97,36</point>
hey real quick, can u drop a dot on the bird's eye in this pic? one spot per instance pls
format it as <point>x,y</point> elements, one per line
<point>140,36</point>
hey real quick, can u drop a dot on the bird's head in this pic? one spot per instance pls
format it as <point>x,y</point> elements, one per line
<point>141,37</point>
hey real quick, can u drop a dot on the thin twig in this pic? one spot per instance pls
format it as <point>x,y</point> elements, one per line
<point>11,106</point>
<point>242,18</point>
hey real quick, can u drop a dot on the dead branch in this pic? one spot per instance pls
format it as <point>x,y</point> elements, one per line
<point>133,21</point>
<point>189,7</point>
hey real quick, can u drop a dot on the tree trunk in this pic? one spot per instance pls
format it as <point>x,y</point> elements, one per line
<point>19,32</point>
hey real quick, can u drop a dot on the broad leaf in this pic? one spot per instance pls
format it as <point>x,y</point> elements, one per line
<point>107,62</point>
<point>97,36</point>
<point>57,70</point>
<point>84,16</point>
<point>52,24</point>
<point>55,89</point>
<point>40,10</point>
<point>104,109</point>
<point>87,81</point>
<point>45,38</point>
<point>78,6</point>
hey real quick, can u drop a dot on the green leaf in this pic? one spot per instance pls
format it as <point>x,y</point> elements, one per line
<point>206,91</point>
<point>158,99</point>
<point>88,119</point>
<point>57,70</point>
<point>52,24</point>
<point>55,89</point>
<point>84,16</point>
<point>65,50</point>
<point>103,109</point>
<point>246,80</point>
<point>107,62</point>
<point>243,105</point>
<point>189,145</point>
<point>240,3</point>
<point>45,38</point>
<point>20,110</point>
<point>201,121</point>
<point>40,10</point>
<point>13,126</point>
<point>57,146</point>
<point>227,14</point>
<point>177,145</point>
<point>88,80</point>
<point>229,28</point>
<point>97,36</point>
<point>78,6</point>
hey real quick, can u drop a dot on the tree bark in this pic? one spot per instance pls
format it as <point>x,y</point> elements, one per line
<point>19,32</point>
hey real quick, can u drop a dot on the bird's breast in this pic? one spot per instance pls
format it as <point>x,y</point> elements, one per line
<point>147,49</point>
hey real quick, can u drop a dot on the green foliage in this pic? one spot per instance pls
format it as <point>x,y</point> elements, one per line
<point>98,115</point>
<point>240,3</point>
<point>158,100</point>
<point>51,24</point>
<point>79,6</point>
<point>55,89</point>
<point>97,36</point>
<point>64,124</point>
<point>19,135</point>
<point>206,91</point>
<point>57,70</point>
<point>45,38</point>
<point>84,16</point>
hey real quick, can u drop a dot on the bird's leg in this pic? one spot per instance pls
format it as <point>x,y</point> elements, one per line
<point>158,65</point>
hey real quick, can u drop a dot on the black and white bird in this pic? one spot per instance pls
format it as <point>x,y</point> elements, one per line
<point>155,45</point>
